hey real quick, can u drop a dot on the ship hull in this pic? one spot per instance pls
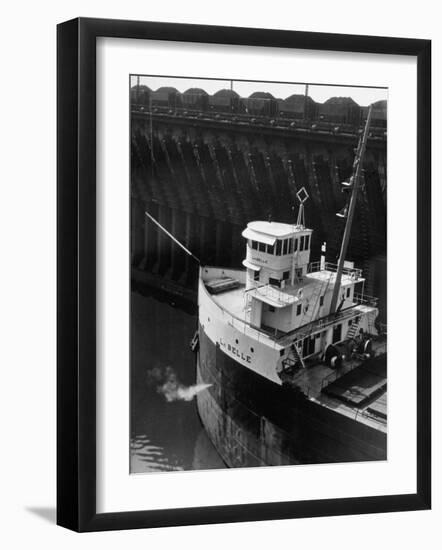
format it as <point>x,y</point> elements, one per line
<point>254,422</point>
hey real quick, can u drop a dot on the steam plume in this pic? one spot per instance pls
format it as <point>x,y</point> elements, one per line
<point>167,384</point>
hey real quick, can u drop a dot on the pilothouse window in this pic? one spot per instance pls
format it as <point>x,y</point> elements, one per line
<point>301,244</point>
<point>270,248</point>
<point>262,247</point>
<point>306,244</point>
<point>254,245</point>
<point>286,246</point>
<point>278,248</point>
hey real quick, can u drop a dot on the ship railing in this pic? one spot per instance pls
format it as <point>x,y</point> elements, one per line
<point>366,414</point>
<point>269,337</point>
<point>273,293</point>
<point>365,300</point>
<point>350,271</point>
<point>254,286</point>
<point>319,324</point>
<point>260,334</point>
<point>274,337</point>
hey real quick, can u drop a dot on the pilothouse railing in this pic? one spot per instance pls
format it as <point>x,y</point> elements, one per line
<point>319,324</point>
<point>350,271</point>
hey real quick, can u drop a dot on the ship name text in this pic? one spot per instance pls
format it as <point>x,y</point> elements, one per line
<point>260,260</point>
<point>235,351</point>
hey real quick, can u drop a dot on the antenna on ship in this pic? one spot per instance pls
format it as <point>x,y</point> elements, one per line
<point>348,211</point>
<point>302,196</point>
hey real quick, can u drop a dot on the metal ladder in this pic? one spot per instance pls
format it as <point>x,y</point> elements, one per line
<point>351,333</point>
<point>293,359</point>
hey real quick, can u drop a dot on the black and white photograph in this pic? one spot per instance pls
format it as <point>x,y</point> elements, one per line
<point>219,279</point>
<point>258,265</point>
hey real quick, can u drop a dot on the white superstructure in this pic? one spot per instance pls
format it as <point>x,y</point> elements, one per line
<point>284,309</point>
<point>276,313</point>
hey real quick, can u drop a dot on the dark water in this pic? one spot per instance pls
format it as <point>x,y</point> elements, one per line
<point>166,432</point>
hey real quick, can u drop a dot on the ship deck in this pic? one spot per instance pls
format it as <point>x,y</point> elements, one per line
<point>357,395</point>
<point>357,390</point>
<point>233,301</point>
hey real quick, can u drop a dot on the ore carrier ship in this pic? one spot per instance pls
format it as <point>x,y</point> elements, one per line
<point>292,350</point>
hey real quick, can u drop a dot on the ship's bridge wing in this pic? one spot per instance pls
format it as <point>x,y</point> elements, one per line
<point>260,237</point>
<point>273,296</point>
<point>249,265</point>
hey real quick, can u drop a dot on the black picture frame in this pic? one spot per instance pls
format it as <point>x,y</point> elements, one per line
<point>76,274</point>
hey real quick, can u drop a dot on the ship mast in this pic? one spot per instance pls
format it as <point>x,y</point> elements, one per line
<point>302,196</point>
<point>354,184</point>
